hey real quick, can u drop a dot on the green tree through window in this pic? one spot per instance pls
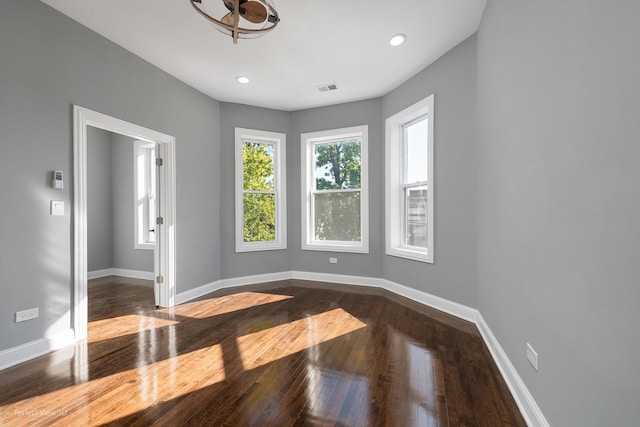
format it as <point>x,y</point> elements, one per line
<point>259,198</point>
<point>337,195</point>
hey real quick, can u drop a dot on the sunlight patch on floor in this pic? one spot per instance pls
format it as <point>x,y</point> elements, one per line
<point>226,304</point>
<point>132,324</point>
<point>98,402</point>
<point>290,338</point>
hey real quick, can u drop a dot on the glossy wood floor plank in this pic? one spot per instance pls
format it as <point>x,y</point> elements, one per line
<point>290,353</point>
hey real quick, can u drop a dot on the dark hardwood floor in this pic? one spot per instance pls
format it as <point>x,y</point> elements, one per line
<point>276,354</point>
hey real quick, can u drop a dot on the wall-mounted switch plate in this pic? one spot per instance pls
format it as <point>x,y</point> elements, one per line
<point>532,356</point>
<point>29,314</point>
<point>57,207</point>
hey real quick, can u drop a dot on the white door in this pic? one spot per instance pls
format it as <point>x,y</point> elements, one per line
<point>158,224</point>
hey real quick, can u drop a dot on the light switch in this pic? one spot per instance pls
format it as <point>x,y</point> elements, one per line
<point>57,207</point>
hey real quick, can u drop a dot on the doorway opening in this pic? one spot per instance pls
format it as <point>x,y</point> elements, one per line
<point>163,202</point>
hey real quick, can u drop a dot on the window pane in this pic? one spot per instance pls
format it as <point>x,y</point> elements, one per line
<point>259,217</point>
<point>416,216</point>
<point>258,166</point>
<point>416,151</point>
<point>337,216</point>
<point>337,165</point>
<point>141,171</point>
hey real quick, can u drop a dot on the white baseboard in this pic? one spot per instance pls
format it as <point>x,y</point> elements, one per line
<point>97,274</point>
<point>260,278</point>
<point>528,406</point>
<point>450,307</point>
<point>343,279</point>
<point>133,274</point>
<point>33,349</point>
<point>192,294</point>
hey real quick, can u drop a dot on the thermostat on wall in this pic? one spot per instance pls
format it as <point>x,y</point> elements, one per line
<point>57,182</point>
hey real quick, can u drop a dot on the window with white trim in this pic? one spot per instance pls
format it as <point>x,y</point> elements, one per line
<point>409,182</point>
<point>144,172</point>
<point>260,183</point>
<point>335,198</point>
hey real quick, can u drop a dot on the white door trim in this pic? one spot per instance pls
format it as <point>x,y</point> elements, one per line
<point>84,117</point>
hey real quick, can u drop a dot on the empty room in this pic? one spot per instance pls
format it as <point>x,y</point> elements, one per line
<point>279,212</point>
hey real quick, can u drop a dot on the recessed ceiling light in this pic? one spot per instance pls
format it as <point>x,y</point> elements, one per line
<point>242,80</point>
<point>397,40</point>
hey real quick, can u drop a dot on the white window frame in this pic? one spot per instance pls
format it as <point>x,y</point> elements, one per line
<point>278,140</point>
<point>142,225</point>
<point>394,179</point>
<point>309,140</point>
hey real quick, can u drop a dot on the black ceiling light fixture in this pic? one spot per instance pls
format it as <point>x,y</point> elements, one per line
<point>240,19</point>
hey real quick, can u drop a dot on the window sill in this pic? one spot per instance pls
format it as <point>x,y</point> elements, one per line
<point>411,254</point>
<point>145,246</point>
<point>336,246</point>
<point>260,246</point>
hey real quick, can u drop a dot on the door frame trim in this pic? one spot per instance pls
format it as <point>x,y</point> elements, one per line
<point>82,118</point>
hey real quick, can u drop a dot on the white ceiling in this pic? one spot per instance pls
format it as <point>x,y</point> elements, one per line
<point>317,42</point>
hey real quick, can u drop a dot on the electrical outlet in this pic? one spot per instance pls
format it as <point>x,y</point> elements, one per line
<point>29,314</point>
<point>532,356</point>
<point>333,260</point>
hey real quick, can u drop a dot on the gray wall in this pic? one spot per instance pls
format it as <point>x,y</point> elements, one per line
<point>558,201</point>
<point>247,263</point>
<point>49,63</point>
<point>99,200</point>
<point>452,80</point>
<point>333,117</point>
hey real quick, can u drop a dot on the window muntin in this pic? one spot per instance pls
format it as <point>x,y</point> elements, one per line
<point>409,182</point>
<point>145,194</point>
<point>260,186</point>
<point>335,200</point>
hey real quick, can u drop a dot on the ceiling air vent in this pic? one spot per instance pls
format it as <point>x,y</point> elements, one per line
<point>328,87</point>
